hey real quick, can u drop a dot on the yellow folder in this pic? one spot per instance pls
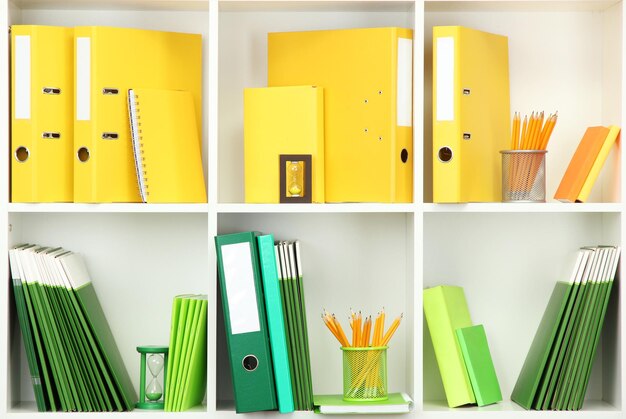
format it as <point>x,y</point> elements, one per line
<point>367,79</point>
<point>109,62</point>
<point>168,155</point>
<point>281,120</point>
<point>470,114</point>
<point>41,117</point>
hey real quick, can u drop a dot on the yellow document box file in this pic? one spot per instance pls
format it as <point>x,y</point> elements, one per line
<point>367,79</point>
<point>109,62</point>
<point>470,114</point>
<point>41,117</point>
<point>282,120</point>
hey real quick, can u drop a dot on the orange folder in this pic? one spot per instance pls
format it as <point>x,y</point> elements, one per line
<point>581,164</point>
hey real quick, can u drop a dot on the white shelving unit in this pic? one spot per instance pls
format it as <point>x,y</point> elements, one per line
<point>565,55</point>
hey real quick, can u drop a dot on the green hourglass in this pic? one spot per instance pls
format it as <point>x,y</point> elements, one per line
<point>152,396</point>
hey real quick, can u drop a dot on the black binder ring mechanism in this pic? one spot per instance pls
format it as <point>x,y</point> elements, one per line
<point>445,154</point>
<point>51,135</point>
<point>82,154</point>
<point>51,91</point>
<point>21,154</point>
<point>250,363</point>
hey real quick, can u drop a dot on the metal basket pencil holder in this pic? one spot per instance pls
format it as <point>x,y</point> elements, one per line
<point>523,175</point>
<point>365,374</point>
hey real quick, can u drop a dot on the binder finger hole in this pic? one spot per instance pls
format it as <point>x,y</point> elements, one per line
<point>404,155</point>
<point>22,154</point>
<point>250,362</point>
<point>445,154</point>
<point>83,154</point>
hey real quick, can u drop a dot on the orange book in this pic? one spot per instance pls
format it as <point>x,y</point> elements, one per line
<point>581,164</point>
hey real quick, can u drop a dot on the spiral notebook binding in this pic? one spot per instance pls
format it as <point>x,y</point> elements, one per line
<point>137,139</point>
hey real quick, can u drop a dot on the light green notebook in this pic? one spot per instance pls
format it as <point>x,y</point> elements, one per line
<point>446,310</point>
<point>334,404</point>
<point>475,349</point>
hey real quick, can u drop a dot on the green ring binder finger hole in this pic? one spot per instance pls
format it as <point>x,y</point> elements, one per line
<point>365,374</point>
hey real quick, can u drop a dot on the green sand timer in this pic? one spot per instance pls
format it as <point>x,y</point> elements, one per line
<point>152,396</point>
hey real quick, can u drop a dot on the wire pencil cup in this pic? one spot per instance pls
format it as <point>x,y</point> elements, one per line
<point>365,373</point>
<point>523,175</point>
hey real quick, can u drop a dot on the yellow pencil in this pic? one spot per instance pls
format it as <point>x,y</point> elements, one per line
<point>522,140</point>
<point>344,338</point>
<point>366,332</point>
<point>515,131</point>
<point>392,330</point>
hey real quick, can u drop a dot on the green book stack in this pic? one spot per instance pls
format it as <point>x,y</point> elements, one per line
<point>187,358</point>
<point>556,371</point>
<point>73,359</point>
<point>292,295</point>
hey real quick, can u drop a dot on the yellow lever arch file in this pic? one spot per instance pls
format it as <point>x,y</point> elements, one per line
<point>109,62</point>
<point>470,114</point>
<point>281,120</point>
<point>41,118</point>
<point>367,79</point>
<point>168,156</point>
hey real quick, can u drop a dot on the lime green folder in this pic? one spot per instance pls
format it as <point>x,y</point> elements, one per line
<point>482,373</point>
<point>182,368</point>
<point>193,385</point>
<point>446,310</point>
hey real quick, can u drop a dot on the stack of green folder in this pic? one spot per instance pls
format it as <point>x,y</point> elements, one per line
<point>186,363</point>
<point>556,372</point>
<point>292,295</point>
<point>72,356</point>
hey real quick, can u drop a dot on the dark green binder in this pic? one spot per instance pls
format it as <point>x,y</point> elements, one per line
<point>247,335</point>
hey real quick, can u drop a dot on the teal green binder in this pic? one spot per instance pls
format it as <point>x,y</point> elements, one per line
<point>482,373</point>
<point>276,324</point>
<point>246,326</point>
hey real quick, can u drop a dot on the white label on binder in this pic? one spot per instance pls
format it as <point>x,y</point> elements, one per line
<point>22,77</point>
<point>240,290</point>
<point>83,79</point>
<point>445,78</point>
<point>405,82</point>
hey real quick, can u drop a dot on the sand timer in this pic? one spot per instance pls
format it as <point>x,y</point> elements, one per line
<point>152,395</point>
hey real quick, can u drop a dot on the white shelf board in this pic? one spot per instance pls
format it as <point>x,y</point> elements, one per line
<point>316,6</point>
<point>508,408</point>
<point>517,5</point>
<point>498,207</point>
<point>181,5</point>
<point>108,208</point>
<point>314,208</point>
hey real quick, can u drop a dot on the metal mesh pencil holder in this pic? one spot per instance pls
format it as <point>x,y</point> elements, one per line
<point>523,175</point>
<point>365,374</point>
